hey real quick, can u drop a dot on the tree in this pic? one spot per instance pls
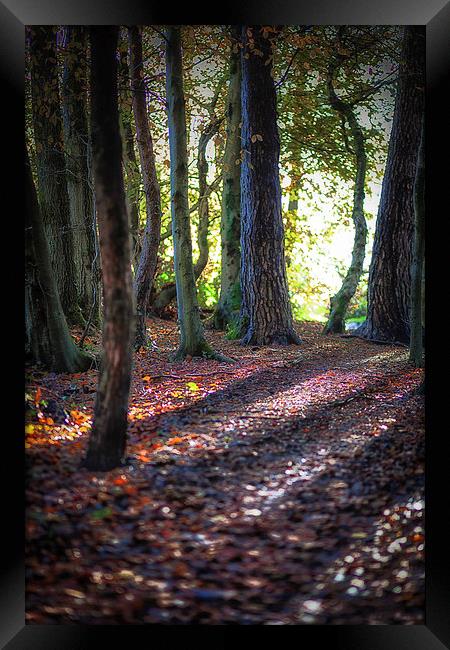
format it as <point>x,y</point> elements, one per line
<point>228,307</point>
<point>107,441</point>
<point>48,341</point>
<point>168,292</point>
<point>192,339</point>
<point>340,301</point>
<point>388,313</point>
<point>50,163</point>
<point>150,244</point>
<point>130,163</point>
<point>266,312</point>
<point>417,287</point>
<point>79,175</point>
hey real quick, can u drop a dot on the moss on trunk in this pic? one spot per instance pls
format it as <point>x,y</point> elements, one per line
<point>192,340</point>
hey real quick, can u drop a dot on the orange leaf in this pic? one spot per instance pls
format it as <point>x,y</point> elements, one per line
<point>175,441</point>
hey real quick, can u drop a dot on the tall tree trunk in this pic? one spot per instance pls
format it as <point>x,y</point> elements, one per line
<point>131,166</point>
<point>203,200</point>
<point>50,162</point>
<point>79,176</point>
<point>266,315</point>
<point>416,340</point>
<point>192,340</point>
<point>168,292</point>
<point>150,244</point>
<point>388,312</point>
<point>340,301</point>
<point>107,441</point>
<point>228,307</point>
<point>47,339</point>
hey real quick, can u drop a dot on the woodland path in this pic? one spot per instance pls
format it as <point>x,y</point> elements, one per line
<point>286,488</point>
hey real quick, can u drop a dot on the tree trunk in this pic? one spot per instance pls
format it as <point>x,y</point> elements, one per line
<point>388,313</point>
<point>228,307</point>
<point>192,340</point>
<point>169,292</point>
<point>416,340</point>
<point>47,339</point>
<point>130,163</point>
<point>266,315</point>
<point>79,176</point>
<point>203,200</point>
<point>50,162</point>
<point>107,441</point>
<point>340,301</point>
<point>150,244</point>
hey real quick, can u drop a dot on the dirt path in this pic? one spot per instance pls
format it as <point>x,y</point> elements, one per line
<point>284,489</point>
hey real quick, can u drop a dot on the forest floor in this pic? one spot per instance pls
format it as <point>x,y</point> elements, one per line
<point>285,488</point>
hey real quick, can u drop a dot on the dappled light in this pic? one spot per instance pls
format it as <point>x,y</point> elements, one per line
<point>235,478</point>
<point>224,324</point>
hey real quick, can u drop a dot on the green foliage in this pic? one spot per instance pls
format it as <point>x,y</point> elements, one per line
<point>233,331</point>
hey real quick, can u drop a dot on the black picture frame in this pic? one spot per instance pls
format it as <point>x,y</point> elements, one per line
<point>14,15</point>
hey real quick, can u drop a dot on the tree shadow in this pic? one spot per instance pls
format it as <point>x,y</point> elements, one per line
<point>291,516</point>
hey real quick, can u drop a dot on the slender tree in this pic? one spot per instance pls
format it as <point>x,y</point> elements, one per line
<point>130,162</point>
<point>168,292</point>
<point>266,315</point>
<point>192,339</point>
<point>229,304</point>
<point>107,441</point>
<point>388,312</point>
<point>340,301</point>
<point>50,163</point>
<point>416,339</point>
<point>48,341</point>
<point>150,244</point>
<point>79,175</point>
<point>206,134</point>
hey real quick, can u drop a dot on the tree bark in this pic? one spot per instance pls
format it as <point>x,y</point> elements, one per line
<point>229,304</point>
<point>47,337</point>
<point>107,441</point>
<point>388,312</point>
<point>266,315</point>
<point>150,244</point>
<point>169,292</point>
<point>79,177</point>
<point>417,325</point>
<point>340,301</point>
<point>50,163</point>
<point>192,339</point>
<point>130,163</point>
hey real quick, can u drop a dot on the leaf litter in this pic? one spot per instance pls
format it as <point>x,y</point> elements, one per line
<point>286,488</point>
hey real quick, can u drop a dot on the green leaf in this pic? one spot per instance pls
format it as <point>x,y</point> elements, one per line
<point>102,513</point>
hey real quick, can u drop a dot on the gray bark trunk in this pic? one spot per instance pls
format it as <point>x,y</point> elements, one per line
<point>47,337</point>
<point>417,269</point>
<point>228,307</point>
<point>51,171</point>
<point>79,177</point>
<point>152,233</point>
<point>192,340</point>
<point>266,315</point>
<point>340,301</point>
<point>130,163</point>
<point>388,311</point>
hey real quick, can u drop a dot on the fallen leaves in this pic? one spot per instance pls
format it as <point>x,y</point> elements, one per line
<point>244,498</point>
